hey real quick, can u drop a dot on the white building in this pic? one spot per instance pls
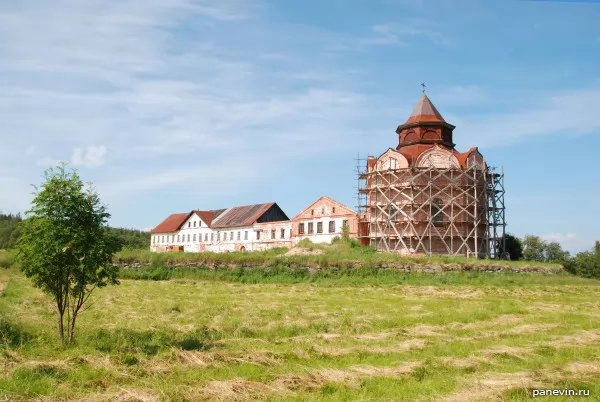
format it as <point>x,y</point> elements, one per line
<point>246,228</point>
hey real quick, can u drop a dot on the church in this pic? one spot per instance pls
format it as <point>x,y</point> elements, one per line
<point>424,197</point>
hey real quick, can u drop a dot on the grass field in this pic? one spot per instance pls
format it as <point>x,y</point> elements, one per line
<point>248,334</point>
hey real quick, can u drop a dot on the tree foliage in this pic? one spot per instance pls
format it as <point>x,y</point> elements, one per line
<point>586,264</point>
<point>513,246</point>
<point>9,230</point>
<point>536,249</point>
<point>65,246</point>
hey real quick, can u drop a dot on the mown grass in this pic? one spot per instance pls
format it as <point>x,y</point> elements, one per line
<point>343,335</point>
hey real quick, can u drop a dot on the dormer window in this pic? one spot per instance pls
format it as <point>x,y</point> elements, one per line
<point>194,223</point>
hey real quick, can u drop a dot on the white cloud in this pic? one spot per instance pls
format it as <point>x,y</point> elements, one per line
<point>569,241</point>
<point>460,95</point>
<point>401,33</point>
<point>47,162</point>
<point>91,156</point>
<point>570,113</point>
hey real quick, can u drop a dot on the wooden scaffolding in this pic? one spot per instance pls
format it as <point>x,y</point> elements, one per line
<point>432,211</point>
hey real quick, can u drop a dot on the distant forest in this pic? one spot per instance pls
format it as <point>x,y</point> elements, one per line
<point>9,234</point>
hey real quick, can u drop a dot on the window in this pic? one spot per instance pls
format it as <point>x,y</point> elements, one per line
<point>199,237</point>
<point>206,237</point>
<point>312,212</point>
<point>323,211</point>
<point>194,223</point>
<point>178,236</point>
<point>273,234</point>
<point>319,227</point>
<point>331,226</point>
<point>188,238</point>
<point>345,224</point>
<point>163,239</point>
<point>392,211</point>
<point>239,235</point>
<point>224,236</point>
<point>189,224</point>
<point>245,235</point>
<point>437,217</point>
<point>199,223</point>
<point>258,235</point>
<point>218,236</point>
<point>194,239</point>
<point>282,233</point>
<point>301,228</point>
<point>333,210</point>
<point>310,228</point>
<point>231,236</point>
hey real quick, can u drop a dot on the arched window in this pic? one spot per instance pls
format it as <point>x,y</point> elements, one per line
<point>437,217</point>
<point>392,211</point>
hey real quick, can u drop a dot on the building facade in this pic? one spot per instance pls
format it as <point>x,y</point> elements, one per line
<point>324,220</point>
<point>245,228</point>
<point>252,228</point>
<point>426,198</point>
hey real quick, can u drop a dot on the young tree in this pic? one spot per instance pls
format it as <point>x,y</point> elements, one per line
<point>514,247</point>
<point>534,248</point>
<point>65,247</point>
<point>555,252</point>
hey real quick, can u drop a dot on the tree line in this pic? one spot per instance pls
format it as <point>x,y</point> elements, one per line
<point>10,231</point>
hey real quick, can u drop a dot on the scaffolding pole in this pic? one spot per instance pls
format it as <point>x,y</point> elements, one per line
<point>431,210</point>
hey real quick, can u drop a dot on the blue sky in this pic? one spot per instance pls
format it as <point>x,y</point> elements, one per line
<point>171,105</point>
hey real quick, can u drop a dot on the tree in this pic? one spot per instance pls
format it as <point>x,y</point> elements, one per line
<point>586,264</point>
<point>345,231</point>
<point>534,248</point>
<point>514,247</point>
<point>65,246</point>
<point>555,253</point>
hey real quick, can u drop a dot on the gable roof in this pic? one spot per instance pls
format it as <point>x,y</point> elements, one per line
<point>320,199</point>
<point>220,218</point>
<point>206,216</point>
<point>242,216</point>
<point>171,224</point>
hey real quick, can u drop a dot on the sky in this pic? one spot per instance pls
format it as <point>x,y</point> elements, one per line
<point>173,105</point>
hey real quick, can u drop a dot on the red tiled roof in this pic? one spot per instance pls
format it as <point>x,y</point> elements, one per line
<point>425,112</point>
<point>171,224</point>
<point>241,216</point>
<point>206,216</point>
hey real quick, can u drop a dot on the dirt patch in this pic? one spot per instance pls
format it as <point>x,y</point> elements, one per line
<point>499,320</point>
<point>437,291</point>
<point>328,336</point>
<point>349,377</point>
<point>397,348</point>
<point>583,368</point>
<point>578,338</point>
<point>124,395</point>
<point>426,330</point>
<point>491,386</point>
<point>464,363</point>
<point>505,351</point>
<point>240,390</point>
<point>303,251</point>
<point>529,329</point>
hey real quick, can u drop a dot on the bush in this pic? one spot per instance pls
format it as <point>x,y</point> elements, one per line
<point>586,264</point>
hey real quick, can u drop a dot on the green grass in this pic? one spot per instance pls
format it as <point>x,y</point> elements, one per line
<point>339,255</point>
<point>290,334</point>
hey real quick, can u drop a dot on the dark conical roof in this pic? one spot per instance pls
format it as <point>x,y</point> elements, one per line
<point>425,112</point>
